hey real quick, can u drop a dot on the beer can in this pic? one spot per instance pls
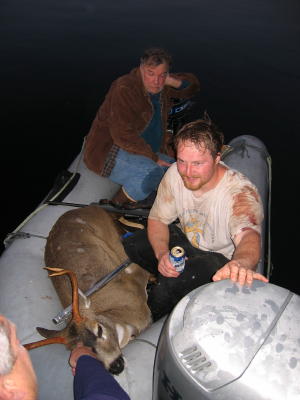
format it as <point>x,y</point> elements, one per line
<point>177,258</point>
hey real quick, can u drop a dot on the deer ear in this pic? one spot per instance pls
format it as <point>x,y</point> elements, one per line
<point>125,334</point>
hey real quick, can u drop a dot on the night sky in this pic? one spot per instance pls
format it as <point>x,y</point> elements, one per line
<point>58,59</point>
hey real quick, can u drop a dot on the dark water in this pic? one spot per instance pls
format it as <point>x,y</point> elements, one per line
<point>59,58</point>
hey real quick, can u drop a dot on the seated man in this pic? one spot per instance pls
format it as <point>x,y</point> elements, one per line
<point>220,214</point>
<point>128,141</point>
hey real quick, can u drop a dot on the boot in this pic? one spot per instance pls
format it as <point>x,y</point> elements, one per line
<point>121,197</point>
<point>147,203</point>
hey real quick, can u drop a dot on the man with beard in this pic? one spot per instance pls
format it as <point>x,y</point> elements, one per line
<point>220,214</point>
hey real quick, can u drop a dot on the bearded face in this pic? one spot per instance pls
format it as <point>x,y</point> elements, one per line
<point>196,166</point>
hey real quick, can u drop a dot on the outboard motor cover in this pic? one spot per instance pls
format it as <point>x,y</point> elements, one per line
<point>226,341</point>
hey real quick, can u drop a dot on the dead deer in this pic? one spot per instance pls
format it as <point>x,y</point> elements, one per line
<point>85,244</point>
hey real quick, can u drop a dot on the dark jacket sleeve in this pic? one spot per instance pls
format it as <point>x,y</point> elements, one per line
<point>93,382</point>
<point>188,90</point>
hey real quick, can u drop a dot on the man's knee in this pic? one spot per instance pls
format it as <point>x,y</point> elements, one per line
<point>169,291</point>
<point>152,179</point>
<point>205,264</point>
<point>139,250</point>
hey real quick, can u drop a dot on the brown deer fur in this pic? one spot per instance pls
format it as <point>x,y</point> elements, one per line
<point>87,241</point>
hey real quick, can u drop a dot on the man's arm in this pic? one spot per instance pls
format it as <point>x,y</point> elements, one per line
<point>173,82</point>
<point>158,235</point>
<point>244,261</point>
<point>91,380</point>
<point>247,249</point>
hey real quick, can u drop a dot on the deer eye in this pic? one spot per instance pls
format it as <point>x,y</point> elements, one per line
<point>100,331</point>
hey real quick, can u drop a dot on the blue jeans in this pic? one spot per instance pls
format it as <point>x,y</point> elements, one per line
<point>138,175</point>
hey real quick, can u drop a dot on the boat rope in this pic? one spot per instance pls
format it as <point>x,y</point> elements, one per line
<point>23,235</point>
<point>13,234</point>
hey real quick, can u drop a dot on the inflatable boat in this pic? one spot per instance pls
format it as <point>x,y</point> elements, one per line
<point>220,342</point>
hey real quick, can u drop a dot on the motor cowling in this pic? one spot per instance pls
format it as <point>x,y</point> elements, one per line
<point>225,341</point>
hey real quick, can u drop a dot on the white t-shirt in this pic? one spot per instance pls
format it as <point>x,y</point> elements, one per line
<point>212,220</point>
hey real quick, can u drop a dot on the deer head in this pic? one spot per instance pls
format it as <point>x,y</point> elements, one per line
<point>95,331</point>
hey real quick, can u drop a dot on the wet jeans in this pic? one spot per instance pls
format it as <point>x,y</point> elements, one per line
<point>139,175</point>
<point>166,292</point>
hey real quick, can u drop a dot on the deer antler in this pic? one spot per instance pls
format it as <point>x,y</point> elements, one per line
<point>44,342</point>
<point>75,304</point>
<point>60,271</point>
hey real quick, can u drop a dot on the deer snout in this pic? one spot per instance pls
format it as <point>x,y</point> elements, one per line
<point>117,366</point>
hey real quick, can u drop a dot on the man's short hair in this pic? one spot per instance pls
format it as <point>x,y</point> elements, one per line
<point>156,56</point>
<point>7,358</point>
<point>203,133</point>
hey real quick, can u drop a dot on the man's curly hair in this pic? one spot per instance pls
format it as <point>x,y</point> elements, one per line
<point>203,133</point>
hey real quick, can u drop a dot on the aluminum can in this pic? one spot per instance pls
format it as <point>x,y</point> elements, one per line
<point>177,258</point>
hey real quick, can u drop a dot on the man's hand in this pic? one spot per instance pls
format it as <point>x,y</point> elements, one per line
<point>233,270</point>
<point>166,268</point>
<point>173,82</point>
<point>77,352</point>
<point>163,163</point>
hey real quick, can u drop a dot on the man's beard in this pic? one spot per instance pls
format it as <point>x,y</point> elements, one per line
<point>192,185</point>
